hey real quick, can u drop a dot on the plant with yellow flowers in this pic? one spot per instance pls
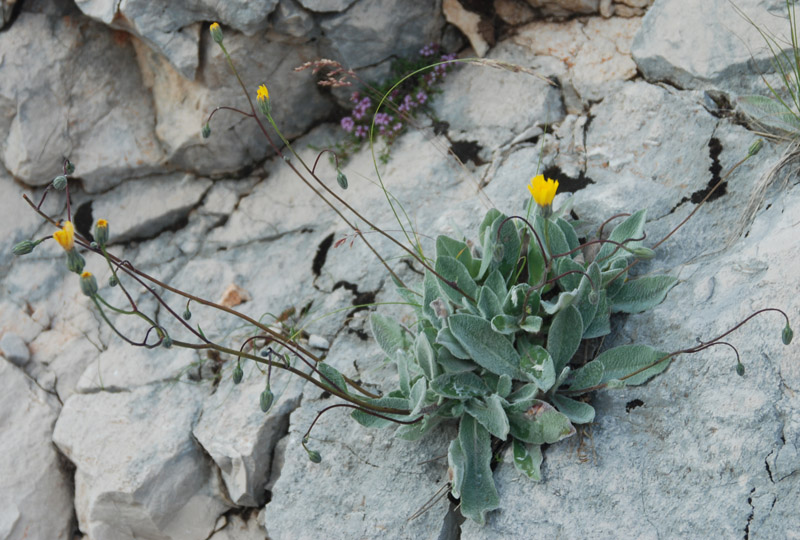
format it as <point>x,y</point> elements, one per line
<point>507,334</point>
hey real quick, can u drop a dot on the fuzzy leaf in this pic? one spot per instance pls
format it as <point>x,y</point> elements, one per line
<point>457,250</point>
<point>488,303</point>
<point>367,420</point>
<point>487,348</point>
<point>333,374</point>
<point>489,412</point>
<point>535,263</point>
<point>456,273</point>
<point>472,473</point>
<point>587,376</point>
<point>643,293</point>
<point>633,227</point>
<point>505,324</point>
<point>431,294</point>
<point>426,357</point>
<point>528,459</point>
<point>504,384</point>
<point>496,282</point>
<point>569,233</point>
<point>564,336</point>
<point>446,338</point>
<point>389,335</point>
<point>540,424</point>
<point>577,411</point>
<point>460,386</point>
<point>414,432</point>
<point>601,324</point>
<point>537,366</point>
<point>623,360</point>
<point>508,238</point>
<point>451,364</point>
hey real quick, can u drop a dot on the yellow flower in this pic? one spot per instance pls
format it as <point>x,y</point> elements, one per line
<point>66,236</point>
<point>216,32</point>
<point>88,284</point>
<point>262,97</point>
<point>101,232</point>
<point>543,191</point>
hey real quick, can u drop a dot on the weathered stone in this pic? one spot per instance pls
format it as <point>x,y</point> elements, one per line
<point>6,10</point>
<point>58,103</point>
<point>291,19</point>
<point>514,12</point>
<point>677,44</point>
<point>565,8</point>
<point>369,33</point>
<point>137,477</point>
<point>173,29</point>
<point>237,528</point>
<point>14,349</point>
<point>323,6</point>
<point>468,22</point>
<point>35,490</point>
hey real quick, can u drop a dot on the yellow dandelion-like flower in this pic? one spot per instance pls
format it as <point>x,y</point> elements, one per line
<point>216,32</point>
<point>543,191</point>
<point>66,236</point>
<point>262,93</point>
<point>262,97</point>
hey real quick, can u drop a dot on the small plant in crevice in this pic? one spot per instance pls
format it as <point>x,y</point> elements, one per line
<point>500,322</point>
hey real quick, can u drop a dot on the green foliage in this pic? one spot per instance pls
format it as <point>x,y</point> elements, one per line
<point>496,343</point>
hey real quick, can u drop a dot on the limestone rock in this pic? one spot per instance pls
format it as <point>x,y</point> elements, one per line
<point>293,20</point>
<point>565,8</point>
<point>468,22</point>
<point>35,490</point>
<point>326,5</point>
<point>135,476</point>
<point>514,12</point>
<point>14,349</point>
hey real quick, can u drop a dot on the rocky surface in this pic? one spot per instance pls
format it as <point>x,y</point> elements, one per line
<point>111,441</point>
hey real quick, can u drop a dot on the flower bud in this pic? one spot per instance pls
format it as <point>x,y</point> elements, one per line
<point>88,284</point>
<point>342,179</point>
<point>216,32</point>
<point>101,232</point>
<point>740,369</point>
<point>166,342</point>
<point>206,131</point>
<point>25,247</point>
<point>787,334</point>
<point>60,182</point>
<point>643,253</point>
<point>755,147</point>
<point>237,373</point>
<point>113,281</point>
<point>262,98</point>
<point>69,167</point>
<point>314,456</point>
<point>266,399</point>
<point>75,261</point>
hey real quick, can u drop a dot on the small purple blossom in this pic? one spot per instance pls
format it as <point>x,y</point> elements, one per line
<point>347,124</point>
<point>382,119</point>
<point>422,97</point>
<point>361,131</point>
<point>397,127</point>
<point>428,50</point>
<point>354,97</point>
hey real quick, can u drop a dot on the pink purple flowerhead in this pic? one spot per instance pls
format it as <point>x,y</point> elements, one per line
<point>428,50</point>
<point>347,124</point>
<point>354,97</point>
<point>422,97</point>
<point>397,127</point>
<point>361,131</point>
<point>382,119</point>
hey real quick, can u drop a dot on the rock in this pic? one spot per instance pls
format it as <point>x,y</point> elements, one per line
<point>54,102</point>
<point>6,12</point>
<point>291,19</point>
<point>236,527</point>
<point>469,101</point>
<point>370,31</point>
<point>239,436</point>
<point>469,23</point>
<point>676,44</point>
<point>14,349</point>
<point>173,30</point>
<point>630,8</point>
<point>35,489</point>
<point>66,356</point>
<point>315,341</point>
<point>143,208</point>
<point>233,295</point>
<point>514,12</point>
<point>135,477</point>
<point>565,8</point>
<point>323,6</point>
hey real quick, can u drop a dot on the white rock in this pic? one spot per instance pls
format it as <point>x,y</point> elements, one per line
<point>318,342</point>
<point>468,22</point>
<point>292,20</point>
<point>236,528</point>
<point>138,472</point>
<point>35,491</point>
<point>565,8</point>
<point>14,349</point>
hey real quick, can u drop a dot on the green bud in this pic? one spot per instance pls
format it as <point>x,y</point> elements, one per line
<point>75,261</point>
<point>70,168</point>
<point>60,182</point>
<point>216,32</point>
<point>206,131</point>
<point>101,232</point>
<point>643,253</point>
<point>314,456</point>
<point>342,179</point>
<point>187,314</point>
<point>25,247</point>
<point>264,353</point>
<point>740,369</point>
<point>755,147</point>
<point>787,334</point>
<point>167,342</point>
<point>237,374</point>
<point>593,298</point>
<point>113,281</point>
<point>266,399</point>
<point>88,284</point>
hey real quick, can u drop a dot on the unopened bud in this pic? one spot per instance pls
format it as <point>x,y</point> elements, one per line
<point>237,373</point>
<point>25,247</point>
<point>314,456</point>
<point>266,399</point>
<point>75,261</point>
<point>70,168</point>
<point>101,232</point>
<point>740,369</point>
<point>113,281</point>
<point>755,147</point>
<point>186,314</point>
<point>60,182</point>
<point>216,32</point>
<point>167,342</point>
<point>206,131</point>
<point>787,334</point>
<point>342,179</point>
<point>88,284</point>
<point>643,253</point>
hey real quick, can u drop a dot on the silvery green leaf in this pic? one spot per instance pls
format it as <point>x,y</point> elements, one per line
<point>532,324</point>
<point>615,384</point>
<point>456,273</point>
<point>537,366</point>
<point>489,412</point>
<point>417,398</point>
<point>433,306</point>
<point>426,357</point>
<point>505,324</point>
<point>490,217</point>
<point>616,273</point>
<point>446,339</point>
<point>556,241</point>
<point>564,336</point>
<point>632,227</point>
<point>489,248</point>
<point>528,459</point>
<point>570,281</point>
<point>587,309</point>
<point>460,386</point>
<point>488,303</point>
<point>642,293</point>
<point>446,246</point>
<point>414,432</point>
<point>472,473</point>
<point>535,263</point>
<point>588,375</point>
<point>487,348</point>
<point>389,335</point>
<point>540,424</point>
<point>508,238</point>
<point>569,233</point>
<point>457,463</point>
<point>520,299</point>
<point>504,386</point>
<point>601,324</point>
<point>564,300</point>
<point>577,411</point>
<point>333,375</point>
<point>524,394</point>
<point>370,421</point>
<point>451,408</point>
<point>770,112</point>
<point>497,284</point>
<point>450,364</point>
<point>403,372</point>
<point>626,359</point>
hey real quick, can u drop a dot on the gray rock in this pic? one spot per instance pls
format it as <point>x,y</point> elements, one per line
<point>173,29</point>
<point>322,6</point>
<point>318,342</point>
<point>291,19</point>
<point>55,102</point>
<point>677,44</point>
<point>136,477</point>
<point>14,349</point>
<point>372,31</point>
<point>237,528</point>
<point>239,437</point>
<point>565,8</point>
<point>35,491</point>
<point>6,9</point>
<point>143,208</point>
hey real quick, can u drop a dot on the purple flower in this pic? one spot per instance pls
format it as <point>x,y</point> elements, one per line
<point>354,97</point>
<point>382,119</point>
<point>422,97</point>
<point>397,127</point>
<point>428,50</point>
<point>347,124</point>
<point>361,131</point>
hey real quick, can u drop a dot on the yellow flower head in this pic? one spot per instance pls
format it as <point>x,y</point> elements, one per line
<point>216,32</point>
<point>262,97</point>
<point>102,223</point>
<point>66,236</point>
<point>543,191</point>
<point>86,274</point>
